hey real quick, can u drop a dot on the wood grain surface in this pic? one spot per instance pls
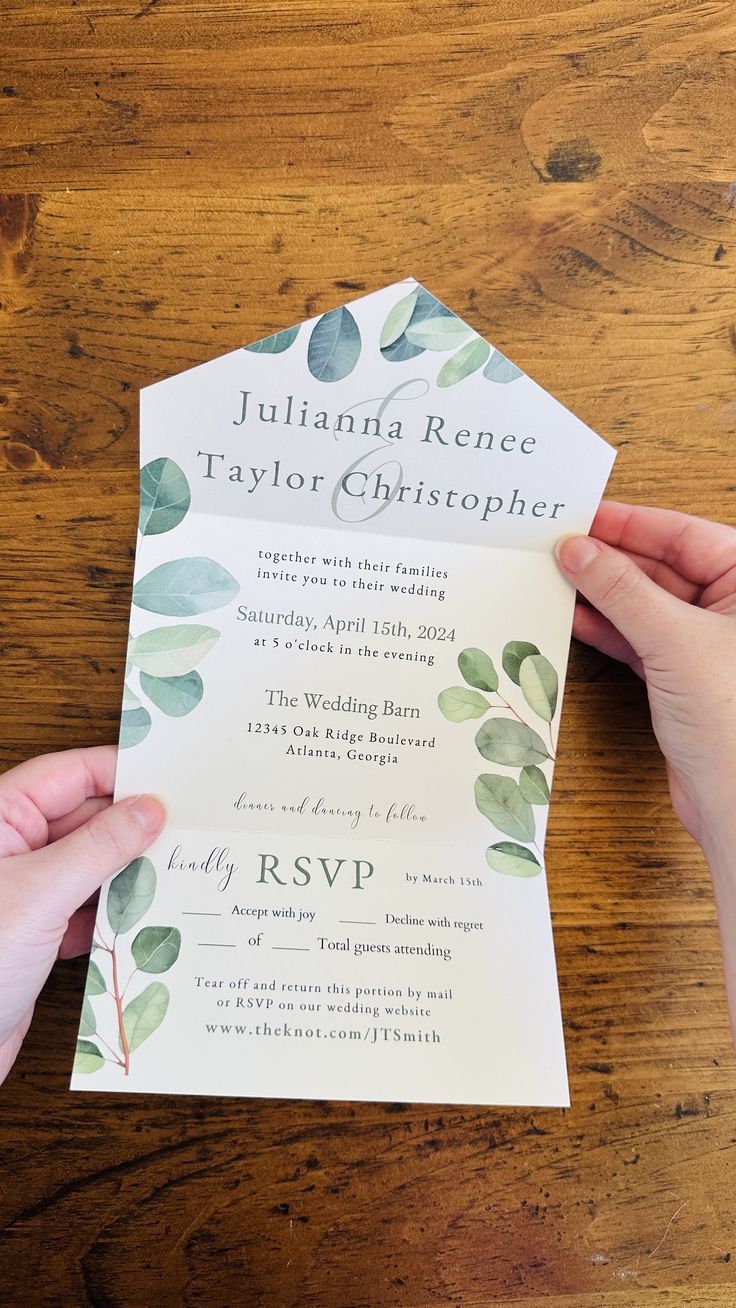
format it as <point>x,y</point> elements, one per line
<point>183,176</point>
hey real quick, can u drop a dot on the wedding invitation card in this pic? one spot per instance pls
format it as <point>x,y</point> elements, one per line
<point>344,676</point>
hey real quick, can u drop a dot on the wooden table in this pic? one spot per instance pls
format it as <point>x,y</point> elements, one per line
<point>186,177</point>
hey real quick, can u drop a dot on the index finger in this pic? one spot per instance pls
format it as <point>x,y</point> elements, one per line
<point>46,788</point>
<point>699,550</point>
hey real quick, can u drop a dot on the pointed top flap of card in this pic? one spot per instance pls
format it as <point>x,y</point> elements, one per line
<point>389,414</point>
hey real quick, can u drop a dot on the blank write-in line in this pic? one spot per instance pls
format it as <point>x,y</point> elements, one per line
<point>294,949</point>
<point>191,912</point>
<point>354,921</point>
<point>214,944</point>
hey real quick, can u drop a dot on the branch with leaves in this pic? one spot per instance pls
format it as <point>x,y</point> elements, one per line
<point>165,658</point>
<point>332,351</point>
<point>419,322</point>
<point>154,949</point>
<point>510,741</point>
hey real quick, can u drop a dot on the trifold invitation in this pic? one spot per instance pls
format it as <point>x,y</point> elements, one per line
<point>347,652</point>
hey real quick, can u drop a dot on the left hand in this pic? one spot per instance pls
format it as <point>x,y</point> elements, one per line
<point>61,836</point>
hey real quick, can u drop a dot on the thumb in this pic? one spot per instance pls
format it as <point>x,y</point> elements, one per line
<point>63,875</point>
<point>641,610</point>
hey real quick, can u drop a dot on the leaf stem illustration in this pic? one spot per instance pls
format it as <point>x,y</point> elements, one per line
<point>154,949</point>
<point>115,1057</point>
<point>119,1006</point>
<point>117,998</point>
<point>127,983</point>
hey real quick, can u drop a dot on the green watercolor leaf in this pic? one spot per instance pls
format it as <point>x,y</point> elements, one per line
<point>175,696</point>
<point>457,703</point>
<point>513,655</point>
<point>275,344</point>
<point>538,681</point>
<point>130,699</point>
<point>469,358</point>
<point>156,949</point>
<point>512,860</point>
<point>501,801</point>
<point>533,785</point>
<point>334,346</point>
<point>135,725</point>
<point>88,1021</point>
<point>426,307</point>
<point>441,333</point>
<point>477,669</point>
<point>401,350</point>
<point>398,319</point>
<point>165,497</point>
<point>87,1057</point>
<point>500,369</point>
<point>172,651</point>
<point>95,980</point>
<point>184,587</point>
<point>145,1013</point>
<point>131,894</point>
<point>504,740</point>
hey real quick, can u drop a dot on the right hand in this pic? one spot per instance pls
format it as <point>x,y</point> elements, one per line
<point>658,592</point>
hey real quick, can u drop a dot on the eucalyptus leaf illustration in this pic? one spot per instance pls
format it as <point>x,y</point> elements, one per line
<point>184,587</point>
<point>131,894</point>
<point>512,860</point>
<point>513,655</point>
<point>145,1013</point>
<point>538,681</point>
<point>95,981</point>
<point>504,740</point>
<point>334,346</point>
<point>398,319</point>
<point>533,785</point>
<point>401,350</point>
<point>469,359</point>
<point>88,1021</point>
<point>500,369</point>
<point>130,699</point>
<point>441,333</point>
<point>87,1057</point>
<point>175,696</point>
<point>457,703</point>
<point>165,497</point>
<point>156,949</point>
<point>275,344</point>
<point>501,801</point>
<point>426,307</point>
<point>171,651</point>
<point>135,725</point>
<point>505,801</point>
<point>477,669</point>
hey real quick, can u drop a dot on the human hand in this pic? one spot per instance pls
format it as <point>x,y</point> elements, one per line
<point>661,596</point>
<point>60,838</point>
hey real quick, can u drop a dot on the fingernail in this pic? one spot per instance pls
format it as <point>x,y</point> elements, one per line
<point>575,552</point>
<point>149,812</point>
